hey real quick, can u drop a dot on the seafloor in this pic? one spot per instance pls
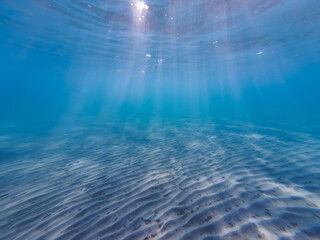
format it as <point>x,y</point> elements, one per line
<point>160,180</point>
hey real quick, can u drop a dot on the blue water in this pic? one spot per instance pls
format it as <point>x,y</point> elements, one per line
<point>160,119</point>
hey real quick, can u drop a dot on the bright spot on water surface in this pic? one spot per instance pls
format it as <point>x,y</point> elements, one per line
<point>140,9</point>
<point>141,6</point>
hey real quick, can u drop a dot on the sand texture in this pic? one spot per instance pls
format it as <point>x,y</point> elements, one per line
<point>160,181</point>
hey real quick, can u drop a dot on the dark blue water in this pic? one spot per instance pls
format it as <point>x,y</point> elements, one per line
<point>160,119</point>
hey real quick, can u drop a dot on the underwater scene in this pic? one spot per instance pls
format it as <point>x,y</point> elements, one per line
<point>160,119</point>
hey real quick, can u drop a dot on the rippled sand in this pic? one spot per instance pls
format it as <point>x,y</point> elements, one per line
<point>160,181</point>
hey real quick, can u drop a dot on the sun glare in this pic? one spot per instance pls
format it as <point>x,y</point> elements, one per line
<point>142,5</point>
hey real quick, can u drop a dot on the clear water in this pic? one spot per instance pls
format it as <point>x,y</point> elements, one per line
<point>160,119</point>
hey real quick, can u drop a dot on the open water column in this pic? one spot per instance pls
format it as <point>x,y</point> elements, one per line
<point>160,119</point>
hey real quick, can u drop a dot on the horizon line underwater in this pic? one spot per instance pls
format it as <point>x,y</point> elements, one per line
<point>167,120</point>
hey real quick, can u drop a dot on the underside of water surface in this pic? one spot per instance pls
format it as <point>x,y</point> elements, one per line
<point>173,119</point>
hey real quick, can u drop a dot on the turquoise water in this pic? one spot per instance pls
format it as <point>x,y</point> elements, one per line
<point>160,119</point>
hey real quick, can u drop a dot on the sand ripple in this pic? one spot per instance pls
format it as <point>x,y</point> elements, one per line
<point>160,181</point>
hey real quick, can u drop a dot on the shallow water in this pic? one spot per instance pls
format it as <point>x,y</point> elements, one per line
<point>160,119</point>
<point>187,179</point>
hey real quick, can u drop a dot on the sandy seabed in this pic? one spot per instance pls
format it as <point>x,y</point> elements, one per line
<point>230,180</point>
